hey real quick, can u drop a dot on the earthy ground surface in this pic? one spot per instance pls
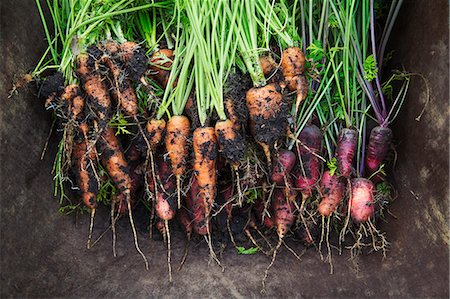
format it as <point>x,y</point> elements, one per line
<point>43,253</point>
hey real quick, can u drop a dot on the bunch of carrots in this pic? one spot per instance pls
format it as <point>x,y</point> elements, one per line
<point>247,122</point>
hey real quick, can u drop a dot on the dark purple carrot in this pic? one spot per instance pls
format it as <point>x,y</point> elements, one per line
<point>308,172</point>
<point>379,145</point>
<point>345,151</point>
<point>282,166</point>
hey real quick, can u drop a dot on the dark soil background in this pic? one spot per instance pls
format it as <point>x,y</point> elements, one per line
<point>43,252</point>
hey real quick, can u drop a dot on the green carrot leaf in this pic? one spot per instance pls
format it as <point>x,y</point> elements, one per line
<point>370,68</point>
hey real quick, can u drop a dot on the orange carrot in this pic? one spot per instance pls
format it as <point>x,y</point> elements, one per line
<point>267,116</point>
<point>155,132</point>
<point>232,113</point>
<point>94,88</point>
<point>205,151</point>
<point>160,64</point>
<point>177,134</point>
<point>231,143</point>
<point>293,66</point>
<point>84,164</point>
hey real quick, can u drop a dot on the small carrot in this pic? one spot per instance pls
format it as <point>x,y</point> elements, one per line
<point>116,166</point>
<point>379,145</point>
<point>160,64</point>
<point>293,66</point>
<point>362,202</point>
<point>267,116</point>
<point>309,169</point>
<point>331,193</point>
<point>177,134</point>
<point>94,88</point>
<point>345,151</point>
<point>231,143</point>
<point>205,152</point>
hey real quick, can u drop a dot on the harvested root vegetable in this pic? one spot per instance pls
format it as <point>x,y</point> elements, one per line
<point>205,152</point>
<point>293,66</point>
<point>113,160</point>
<point>74,101</point>
<point>160,64</point>
<point>270,69</point>
<point>231,144</point>
<point>331,193</point>
<point>289,190</point>
<point>155,130</point>
<point>134,59</point>
<point>197,206</point>
<point>362,202</point>
<point>283,213</point>
<point>268,113</point>
<point>284,216</point>
<point>308,172</point>
<point>345,151</point>
<point>166,205</point>
<point>95,88</point>
<point>282,166</point>
<point>85,173</point>
<point>232,114</point>
<point>177,134</point>
<point>379,145</point>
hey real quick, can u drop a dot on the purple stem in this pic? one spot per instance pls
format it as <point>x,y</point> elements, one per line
<point>374,53</point>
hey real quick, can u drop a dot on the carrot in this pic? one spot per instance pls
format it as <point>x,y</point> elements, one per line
<point>282,166</point>
<point>114,161</point>
<point>84,165</point>
<point>362,203</point>
<point>232,113</point>
<point>85,174</point>
<point>283,213</point>
<point>230,141</point>
<point>331,193</point>
<point>284,218</point>
<point>345,151</point>
<point>308,172</point>
<point>205,156</point>
<point>165,202</point>
<point>134,59</point>
<point>177,134</point>
<point>267,116</point>
<point>160,64</point>
<point>116,166</point>
<point>270,69</point>
<point>155,132</point>
<point>293,66</point>
<point>379,145</point>
<point>94,88</point>
<point>122,90</point>
<point>197,206</point>
<point>166,206</point>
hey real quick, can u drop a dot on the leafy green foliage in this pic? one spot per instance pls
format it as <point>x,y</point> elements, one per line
<point>251,250</point>
<point>119,122</point>
<point>384,189</point>
<point>370,68</point>
<point>252,194</point>
<point>332,166</point>
<point>70,208</point>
